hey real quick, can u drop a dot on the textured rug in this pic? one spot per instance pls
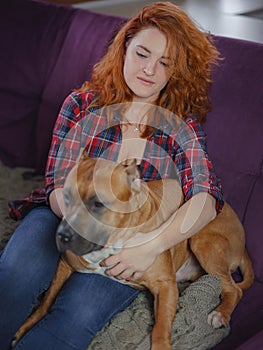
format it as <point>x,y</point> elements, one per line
<point>130,329</point>
<point>14,183</point>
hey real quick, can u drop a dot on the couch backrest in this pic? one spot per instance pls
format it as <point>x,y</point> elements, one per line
<point>235,126</point>
<point>47,50</point>
<point>31,37</point>
<point>235,135</point>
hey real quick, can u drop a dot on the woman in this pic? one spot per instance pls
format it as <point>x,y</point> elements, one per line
<point>158,59</point>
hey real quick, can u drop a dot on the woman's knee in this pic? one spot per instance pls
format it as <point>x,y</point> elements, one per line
<point>40,219</point>
<point>33,240</point>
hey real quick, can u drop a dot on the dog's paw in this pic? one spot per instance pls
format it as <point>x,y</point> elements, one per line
<point>216,320</point>
<point>13,343</point>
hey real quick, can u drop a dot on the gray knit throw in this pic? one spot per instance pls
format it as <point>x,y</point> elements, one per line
<point>131,329</point>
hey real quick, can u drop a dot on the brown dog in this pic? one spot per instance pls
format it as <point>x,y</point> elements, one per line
<point>106,204</point>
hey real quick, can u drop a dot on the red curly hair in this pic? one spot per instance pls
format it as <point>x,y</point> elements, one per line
<point>192,52</point>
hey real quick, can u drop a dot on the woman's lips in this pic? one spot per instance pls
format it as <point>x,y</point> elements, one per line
<point>146,81</point>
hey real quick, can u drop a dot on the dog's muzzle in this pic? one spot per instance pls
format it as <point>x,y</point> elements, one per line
<point>68,239</point>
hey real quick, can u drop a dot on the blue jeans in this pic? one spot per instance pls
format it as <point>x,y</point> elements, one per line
<point>84,305</point>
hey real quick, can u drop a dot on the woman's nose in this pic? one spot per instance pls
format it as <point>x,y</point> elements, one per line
<point>149,68</point>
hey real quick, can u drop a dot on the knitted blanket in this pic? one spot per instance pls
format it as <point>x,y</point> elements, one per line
<point>131,329</point>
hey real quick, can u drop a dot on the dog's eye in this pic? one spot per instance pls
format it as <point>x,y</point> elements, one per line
<point>94,204</point>
<point>98,204</point>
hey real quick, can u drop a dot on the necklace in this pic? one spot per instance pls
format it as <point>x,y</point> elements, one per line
<point>136,127</point>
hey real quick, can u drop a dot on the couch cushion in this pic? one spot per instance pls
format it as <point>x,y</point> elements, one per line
<point>255,342</point>
<point>234,126</point>
<point>247,319</point>
<point>31,36</point>
<point>253,227</point>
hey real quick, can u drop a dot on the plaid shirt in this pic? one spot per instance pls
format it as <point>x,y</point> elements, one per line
<point>170,152</point>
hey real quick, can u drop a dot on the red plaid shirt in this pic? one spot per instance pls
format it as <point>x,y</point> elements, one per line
<point>170,152</point>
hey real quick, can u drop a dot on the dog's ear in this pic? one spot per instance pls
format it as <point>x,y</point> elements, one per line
<point>133,175</point>
<point>82,155</point>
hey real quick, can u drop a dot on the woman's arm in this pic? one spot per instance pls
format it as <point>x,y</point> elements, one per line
<point>66,143</point>
<point>203,199</point>
<point>56,201</point>
<point>187,220</point>
<point>57,167</point>
<point>143,249</point>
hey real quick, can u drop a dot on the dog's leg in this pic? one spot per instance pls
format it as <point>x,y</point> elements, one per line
<point>161,282</point>
<point>63,272</point>
<point>231,295</point>
<point>214,255</point>
<point>165,301</point>
<point>222,313</point>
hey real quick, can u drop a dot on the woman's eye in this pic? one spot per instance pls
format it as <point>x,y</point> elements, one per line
<point>165,64</point>
<point>138,53</point>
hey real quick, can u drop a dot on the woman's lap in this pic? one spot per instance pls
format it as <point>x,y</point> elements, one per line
<point>27,265</point>
<point>83,307</point>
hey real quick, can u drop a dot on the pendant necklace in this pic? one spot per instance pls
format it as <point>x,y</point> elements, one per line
<point>136,127</point>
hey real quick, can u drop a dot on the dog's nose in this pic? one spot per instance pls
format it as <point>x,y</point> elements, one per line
<point>65,233</point>
<point>65,237</point>
<point>68,239</point>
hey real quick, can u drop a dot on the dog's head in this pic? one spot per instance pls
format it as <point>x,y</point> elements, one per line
<point>100,197</point>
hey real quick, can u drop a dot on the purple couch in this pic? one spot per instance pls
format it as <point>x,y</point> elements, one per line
<point>48,50</point>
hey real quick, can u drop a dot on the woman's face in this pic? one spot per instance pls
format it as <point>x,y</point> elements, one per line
<point>146,64</point>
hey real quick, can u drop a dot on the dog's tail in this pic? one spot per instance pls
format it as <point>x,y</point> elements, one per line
<point>247,271</point>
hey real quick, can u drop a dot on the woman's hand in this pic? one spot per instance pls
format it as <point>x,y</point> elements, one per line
<point>140,251</point>
<point>134,259</point>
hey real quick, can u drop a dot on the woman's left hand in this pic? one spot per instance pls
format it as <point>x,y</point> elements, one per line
<point>133,260</point>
